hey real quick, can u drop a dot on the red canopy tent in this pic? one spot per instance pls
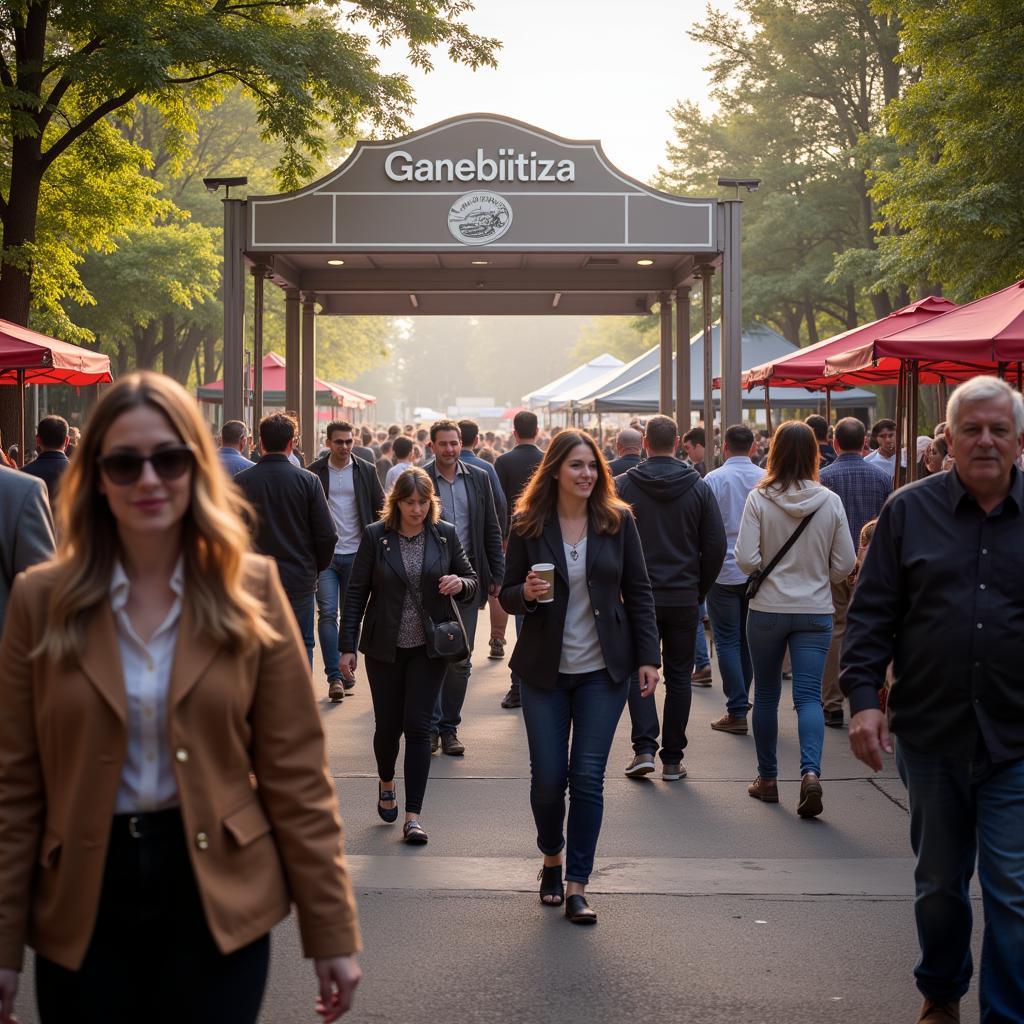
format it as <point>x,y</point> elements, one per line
<point>327,393</point>
<point>27,357</point>
<point>806,368</point>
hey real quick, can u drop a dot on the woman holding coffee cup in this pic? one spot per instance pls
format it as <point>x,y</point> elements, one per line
<point>575,571</point>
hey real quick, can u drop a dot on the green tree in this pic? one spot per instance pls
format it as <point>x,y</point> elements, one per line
<point>67,67</point>
<point>952,211</point>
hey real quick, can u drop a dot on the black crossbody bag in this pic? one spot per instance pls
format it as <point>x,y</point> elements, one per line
<point>755,579</point>
<point>448,639</point>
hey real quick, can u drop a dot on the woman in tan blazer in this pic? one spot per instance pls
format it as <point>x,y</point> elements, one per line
<point>163,787</point>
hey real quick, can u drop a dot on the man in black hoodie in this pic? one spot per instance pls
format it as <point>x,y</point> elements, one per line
<point>684,544</point>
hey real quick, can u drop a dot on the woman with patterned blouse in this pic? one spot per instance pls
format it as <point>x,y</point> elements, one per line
<point>407,571</point>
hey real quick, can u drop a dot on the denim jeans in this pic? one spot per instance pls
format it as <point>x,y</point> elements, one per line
<point>727,609</point>
<point>958,811</point>
<point>448,710</point>
<point>331,585</point>
<point>807,637</point>
<point>590,705</point>
<point>676,626</point>
<point>516,681</point>
<point>302,609</point>
<point>701,658</point>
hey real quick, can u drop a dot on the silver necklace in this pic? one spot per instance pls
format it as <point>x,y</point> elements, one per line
<point>574,554</point>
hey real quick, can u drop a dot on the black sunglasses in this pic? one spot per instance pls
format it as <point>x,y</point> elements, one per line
<point>124,468</point>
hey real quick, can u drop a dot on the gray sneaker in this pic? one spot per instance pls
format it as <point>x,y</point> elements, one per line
<point>642,764</point>
<point>672,772</point>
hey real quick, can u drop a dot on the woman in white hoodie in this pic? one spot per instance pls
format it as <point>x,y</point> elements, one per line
<point>793,604</point>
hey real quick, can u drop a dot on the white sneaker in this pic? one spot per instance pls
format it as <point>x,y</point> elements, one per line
<point>642,764</point>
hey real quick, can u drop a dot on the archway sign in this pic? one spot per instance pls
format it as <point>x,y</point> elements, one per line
<point>477,215</point>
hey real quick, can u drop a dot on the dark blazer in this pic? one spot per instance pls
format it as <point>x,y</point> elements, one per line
<point>378,577</point>
<point>293,522</point>
<point>48,467</point>
<point>485,547</point>
<point>515,469</point>
<point>620,593</point>
<point>369,493</point>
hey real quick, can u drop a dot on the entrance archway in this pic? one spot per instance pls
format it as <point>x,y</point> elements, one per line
<point>477,215</point>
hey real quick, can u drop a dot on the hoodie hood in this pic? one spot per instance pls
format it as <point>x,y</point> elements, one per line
<point>663,478</point>
<point>800,499</point>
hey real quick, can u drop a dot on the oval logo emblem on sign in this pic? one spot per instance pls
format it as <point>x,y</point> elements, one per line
<point>479,218</point>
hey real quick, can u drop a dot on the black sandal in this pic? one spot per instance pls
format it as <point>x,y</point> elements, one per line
<point>390,815</point>
<point>412,833</point>
<point>578,910</point>
<point>550,879</point>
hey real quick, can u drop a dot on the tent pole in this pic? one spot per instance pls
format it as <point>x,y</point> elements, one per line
<point>943,397</point>
<point>912,422</point>
<point>1020,376</point>
<point>828,405</point>
<point>901,395</point>
<point>768,409</point>
<point>1001,371</point>
<point>21,417</point>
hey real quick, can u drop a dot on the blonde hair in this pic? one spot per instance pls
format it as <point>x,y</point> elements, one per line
<point>413,481</point>
<point>215,538</point>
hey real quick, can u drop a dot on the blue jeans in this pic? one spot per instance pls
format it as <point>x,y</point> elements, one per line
<point>958,811</point>
<point>448,710</point>
<point>701,658</point>
<point>331,585</point>
<point>727,609</point>
<point>589,704</point>
<point>302,609</point>
<point>807,637</point>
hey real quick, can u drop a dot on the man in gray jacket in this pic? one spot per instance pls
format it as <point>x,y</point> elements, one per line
<point>26,528</point>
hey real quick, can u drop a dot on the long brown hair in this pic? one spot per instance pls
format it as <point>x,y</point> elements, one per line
<point>792,457</point>
<point>539,500</point>
<point>413,481</point>
<point>214,535</point>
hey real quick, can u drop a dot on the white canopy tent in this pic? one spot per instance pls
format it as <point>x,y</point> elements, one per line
<point>597,367</point>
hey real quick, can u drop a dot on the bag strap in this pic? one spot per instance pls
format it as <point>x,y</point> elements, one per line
<point>415,594</point>
<point>793,538</point>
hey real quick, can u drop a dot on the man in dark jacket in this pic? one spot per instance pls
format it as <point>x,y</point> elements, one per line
<point>684,545</point>
<point>515,469</point>
<point>467,502</point>
<point>51,462</point>
<point>355,498</point>
<point>627,450</point>
<point>293,522</point>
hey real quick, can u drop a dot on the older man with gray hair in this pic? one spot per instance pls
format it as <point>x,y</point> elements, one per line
<point>941,595</point>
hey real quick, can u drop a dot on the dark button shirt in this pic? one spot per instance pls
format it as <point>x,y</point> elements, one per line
<point>941,594</point>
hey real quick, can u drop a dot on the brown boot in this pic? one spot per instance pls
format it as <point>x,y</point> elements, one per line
<point>736,724</point>
<point>935,1012</point>
<point>810,796</point>
<point>764,789</point>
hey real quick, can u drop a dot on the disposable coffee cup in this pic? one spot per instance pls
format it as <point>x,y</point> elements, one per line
<point>546,571</point>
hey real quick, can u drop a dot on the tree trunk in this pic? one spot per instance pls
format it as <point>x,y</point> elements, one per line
<point>813,337</point>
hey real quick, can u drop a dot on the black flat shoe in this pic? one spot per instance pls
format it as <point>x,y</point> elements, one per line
<point>550,879</point>
<point>578,910</point>
<point>390,816</point>
<point>413,834</point>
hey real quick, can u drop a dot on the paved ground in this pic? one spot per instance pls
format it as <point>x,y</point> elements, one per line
<point>713,907</point>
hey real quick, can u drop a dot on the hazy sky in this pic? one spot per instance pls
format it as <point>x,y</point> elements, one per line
<point>586,69</point>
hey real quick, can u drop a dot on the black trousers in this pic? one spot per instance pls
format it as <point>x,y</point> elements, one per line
<point>151,956</point>
<point>677,627</point>
<point>404,693</point>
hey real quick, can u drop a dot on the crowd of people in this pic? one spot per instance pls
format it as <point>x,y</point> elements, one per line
<point>185,784</point>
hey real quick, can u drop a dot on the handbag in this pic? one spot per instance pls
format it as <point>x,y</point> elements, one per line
<point>447,639</point>
<point>755,579</point>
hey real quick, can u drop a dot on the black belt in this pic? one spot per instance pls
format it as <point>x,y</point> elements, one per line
<point>146,824</point>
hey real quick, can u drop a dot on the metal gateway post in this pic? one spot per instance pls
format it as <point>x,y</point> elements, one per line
<point>706,273</point>
<point>683,385</point>
<point>234,308</point>
<point>730,337</point>
<point>307,403</point>
<point>665,377</point>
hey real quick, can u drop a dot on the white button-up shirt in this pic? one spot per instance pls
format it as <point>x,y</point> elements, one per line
<point>147,775</point>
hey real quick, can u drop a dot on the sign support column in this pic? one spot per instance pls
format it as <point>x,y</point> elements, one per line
<point>234,307</point>
<point>731,335</point>
<point>307,404</point>
<point>292,351</point>
<point>665,375</point>
<point>683,386</point>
